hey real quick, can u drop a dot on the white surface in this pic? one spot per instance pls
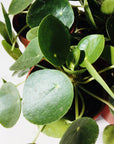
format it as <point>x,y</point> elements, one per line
<point>24,132</point>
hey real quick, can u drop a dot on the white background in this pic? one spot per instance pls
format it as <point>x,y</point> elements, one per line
<point>24,132</point>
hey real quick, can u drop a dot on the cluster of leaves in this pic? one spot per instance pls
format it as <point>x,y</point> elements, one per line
<point>48,94</point>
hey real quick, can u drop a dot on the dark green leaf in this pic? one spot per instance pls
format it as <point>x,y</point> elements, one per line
<point>91,47</point>
<point>10,105</point>
<point>73,58</point>
<point>108,135</point>
<point>108,54</point>
<point>54,40</point>
<point>31,56</point>
<point>82,131</point>
<point>3,32</point>
<point>110,29</point>
<point>107,6</point>
<point>8,23</point>
<point>32,33</point>
<point>17,6</point>
<point>15,54</point>
<point>47,96</point>
<point>59,8</point>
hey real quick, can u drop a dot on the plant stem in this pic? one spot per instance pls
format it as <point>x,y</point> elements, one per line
<point>14,42</point>
<point>40,130</point>
<point>98,98</point>
<point>83,104</point>
<point>20,83</point>
<point>76,104</point>
<point>97,77</point>
<point>41,66</point>
<point>101,71</point>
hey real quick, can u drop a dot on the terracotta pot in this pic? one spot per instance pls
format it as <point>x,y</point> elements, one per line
<point>24,41</point>
<point>107,115</point>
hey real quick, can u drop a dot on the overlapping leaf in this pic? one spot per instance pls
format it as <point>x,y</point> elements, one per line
<point>47,96</point>
<point>82,131</point>
<point>31,56</point>
<point>59,8</point>
<point>91,46</point>
<point>17,6</point>
<point>54,40</point>
<point>15,54</point>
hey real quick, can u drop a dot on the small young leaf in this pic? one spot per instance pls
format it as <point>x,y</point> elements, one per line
<point>31,56</point>
<point>15,54</point>
<point>110,29</point>
<point>54,40</point>
<point>32,33</point>
<point>47,96</point>
<point>17,6</point>
<point>56,129</point>
<point>92,46</point>
<point>59,8</point>
<point>73,58</point>
<point>8,23</point>
<point>10,105</point>
<point>107,7</point>
<point>108,135</point>
<point>82,131</point>
<point>3,32</point>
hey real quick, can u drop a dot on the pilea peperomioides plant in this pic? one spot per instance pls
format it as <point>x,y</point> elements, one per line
<point>73,44</point>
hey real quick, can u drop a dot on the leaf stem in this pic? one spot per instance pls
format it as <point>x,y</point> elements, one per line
<point>40,66</point>
<point>20,83</point>
<point>98,98</point>
<point>98,78</point>
<point>76,104</point>
<point>40,130</point>
<point>15,39</point>
<point>101,71</point>
<point>83,104</point>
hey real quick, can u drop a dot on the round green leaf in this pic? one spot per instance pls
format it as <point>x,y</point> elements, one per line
<point>31,56</point>
<point>17,6</point>
<point>47,96</point>
<point>59,8</point>
<point>32,33</point>
<point>82,131</point>
<point>91,48</point>
<point>10,105</point>
<point>107,6</point>
<point>108,135</point>
<point>54,40</point>
<point>110,29</point>
<point>56,129</point>
<point>73,58</point>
